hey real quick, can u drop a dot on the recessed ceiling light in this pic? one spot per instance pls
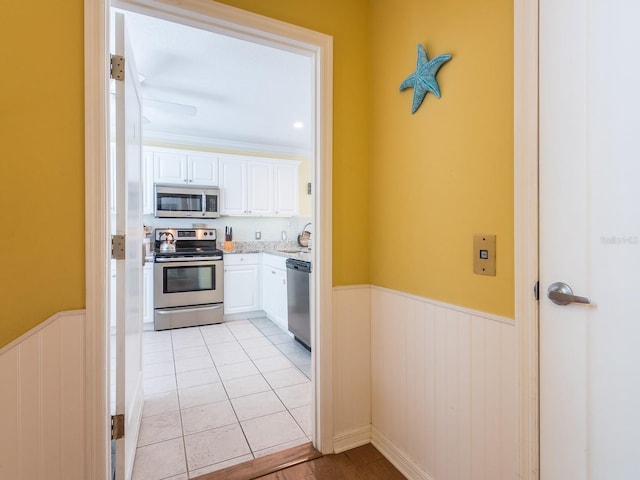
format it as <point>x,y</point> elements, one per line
<point>298,124</point>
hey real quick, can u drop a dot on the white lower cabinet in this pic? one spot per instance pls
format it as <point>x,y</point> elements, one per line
<point>147,296</point>
<point>274,289</point>
<point>241,283</point>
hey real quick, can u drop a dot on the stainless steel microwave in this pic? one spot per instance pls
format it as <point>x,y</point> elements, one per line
<point>192,201</point>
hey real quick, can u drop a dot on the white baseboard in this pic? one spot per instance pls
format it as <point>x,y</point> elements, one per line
<point>408,467</point>
<point>352,439</point>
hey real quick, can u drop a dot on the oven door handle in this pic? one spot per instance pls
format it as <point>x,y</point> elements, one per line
<point>187,259</point>
<point>166,311</point>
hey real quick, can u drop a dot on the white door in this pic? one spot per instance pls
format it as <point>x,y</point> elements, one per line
<point>129,289</point>
<point>590,239</point>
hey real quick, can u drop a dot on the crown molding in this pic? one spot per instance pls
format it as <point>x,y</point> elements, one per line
<point>221,144</point>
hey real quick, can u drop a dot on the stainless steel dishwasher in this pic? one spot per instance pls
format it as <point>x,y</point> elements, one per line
<point>299,315</point>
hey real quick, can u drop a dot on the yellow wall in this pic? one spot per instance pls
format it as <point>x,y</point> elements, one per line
<point>445,173</point>
<point>409,190</point>
<point>347,22</point>
<point>41,125</point>
<point>42,163</point>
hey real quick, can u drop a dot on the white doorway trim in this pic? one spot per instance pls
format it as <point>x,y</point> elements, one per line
<point>526,230</point>
<point>241,24</point>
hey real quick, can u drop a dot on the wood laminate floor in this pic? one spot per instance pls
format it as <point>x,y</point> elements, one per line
<point>306,463</point>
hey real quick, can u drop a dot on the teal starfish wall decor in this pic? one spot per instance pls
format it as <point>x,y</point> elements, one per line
<point>423,80</point>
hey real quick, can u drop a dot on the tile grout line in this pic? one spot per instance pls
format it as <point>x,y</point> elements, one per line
<point>215,366</point>
<point>260,372</point>
<point>210,348</point>
<point>175,370</point>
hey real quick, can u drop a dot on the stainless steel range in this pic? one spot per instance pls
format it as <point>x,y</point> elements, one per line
<point>188,278</point>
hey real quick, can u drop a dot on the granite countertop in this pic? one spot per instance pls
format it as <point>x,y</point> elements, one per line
<point>281,249</point>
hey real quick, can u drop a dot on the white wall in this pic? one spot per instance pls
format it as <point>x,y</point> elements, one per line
<point>444,389</point>
<point>351,367</point>
<point>41,400</point>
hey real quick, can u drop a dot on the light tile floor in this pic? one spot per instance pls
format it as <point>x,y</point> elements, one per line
<point>219,395</point>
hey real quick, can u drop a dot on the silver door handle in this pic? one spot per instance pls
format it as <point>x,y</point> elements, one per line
<point>561,294</point>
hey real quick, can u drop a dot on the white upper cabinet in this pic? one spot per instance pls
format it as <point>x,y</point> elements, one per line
<point>233,186</point>
<point>202,169</point>
<point>147,183</point>
<point>258,187</point>
<point>184,167</point>
<point>249,186</point>
<point>286,189</point>
<point>169,167</point>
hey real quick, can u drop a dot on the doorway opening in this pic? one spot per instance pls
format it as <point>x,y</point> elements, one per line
<point>318,47</point>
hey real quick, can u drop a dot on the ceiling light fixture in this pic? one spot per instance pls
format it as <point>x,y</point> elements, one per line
<point>298,124</point>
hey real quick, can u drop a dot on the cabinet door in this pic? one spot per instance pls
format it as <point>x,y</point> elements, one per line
<point>260,188</point>
<point>233,187</point>
<point>202,169</point>
<point>147,183</point>
<point>269,302</point>
<point>281,308</point>
<point>241,289</point>
<point>286,190</point>
<point>274,289</point>
<point>170,167</point>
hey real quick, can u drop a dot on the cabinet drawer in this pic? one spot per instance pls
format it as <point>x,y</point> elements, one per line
<point>231,259</point>
<point>275,261</point>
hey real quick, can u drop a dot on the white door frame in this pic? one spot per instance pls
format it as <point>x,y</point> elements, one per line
<point>242,24</point>
<point>525,54</point>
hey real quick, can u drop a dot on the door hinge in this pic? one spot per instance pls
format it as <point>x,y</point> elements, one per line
<point>117,247</point>
<point>117,67</point>
<point>117,427</point>
<point>536,290</point>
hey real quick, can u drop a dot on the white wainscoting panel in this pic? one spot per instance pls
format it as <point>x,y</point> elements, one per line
<point>42,402</point>
<point>352,366</point>
<point>444,389</point>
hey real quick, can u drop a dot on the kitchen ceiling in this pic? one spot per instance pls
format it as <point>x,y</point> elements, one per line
<point>204,88</point>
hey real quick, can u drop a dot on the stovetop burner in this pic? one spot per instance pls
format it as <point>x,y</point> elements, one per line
<point>188,243</point>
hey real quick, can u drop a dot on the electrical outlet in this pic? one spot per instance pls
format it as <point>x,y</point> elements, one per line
<point>484,254</point>
<point>258,235</point>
